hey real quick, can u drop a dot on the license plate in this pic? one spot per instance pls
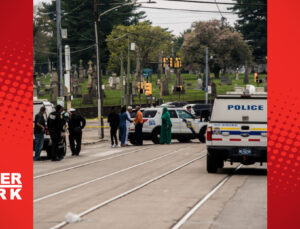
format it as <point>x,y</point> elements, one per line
<point>244,151</point>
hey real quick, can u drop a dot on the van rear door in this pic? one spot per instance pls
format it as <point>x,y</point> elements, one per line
<point>239,121</point>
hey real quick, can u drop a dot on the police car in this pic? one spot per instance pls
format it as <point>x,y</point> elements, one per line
<point>37,104</point>
<point>237,131</point>
<point>185,126</point>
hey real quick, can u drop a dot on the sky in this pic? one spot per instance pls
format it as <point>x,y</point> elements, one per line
<point>178,21</point>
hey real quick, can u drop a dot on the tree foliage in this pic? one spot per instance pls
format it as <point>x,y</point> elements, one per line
<point>226,47</point>
<point>252,23</point>
<point>78,18</point>
<point>148,40</point>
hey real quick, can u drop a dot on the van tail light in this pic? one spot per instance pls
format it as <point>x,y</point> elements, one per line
<point>209,134</point>
<point>145,120</point>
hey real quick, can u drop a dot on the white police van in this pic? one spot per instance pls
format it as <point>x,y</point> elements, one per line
<point>185,126</point>
<point>237,131</point>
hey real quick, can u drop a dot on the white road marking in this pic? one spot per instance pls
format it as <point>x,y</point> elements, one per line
<point>88,163</point>
<point>62,224</point>
<point>102,154</point>
<point>103,177</point>
<point>202,201</point>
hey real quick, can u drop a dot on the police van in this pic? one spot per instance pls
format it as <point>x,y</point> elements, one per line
<point>237,131</point>
<point>185,126</point>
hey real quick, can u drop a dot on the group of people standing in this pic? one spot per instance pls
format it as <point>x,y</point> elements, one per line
<point>56,124</point>
<point>122,122</point>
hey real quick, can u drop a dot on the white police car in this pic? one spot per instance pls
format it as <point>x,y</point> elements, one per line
<point>184,125</point>
<point>237,131</point>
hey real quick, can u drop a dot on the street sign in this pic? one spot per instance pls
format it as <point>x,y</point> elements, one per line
<point>147,72</point>
<point>61,101</point>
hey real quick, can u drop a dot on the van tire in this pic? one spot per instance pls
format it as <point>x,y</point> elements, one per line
<point>156,135</point>
<point>211,164</point>
<point>183,140</point>
<point>202,134</point>
<point>132,140</point>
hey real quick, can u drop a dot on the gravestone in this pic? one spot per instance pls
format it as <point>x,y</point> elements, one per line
<point>87,99</point>
<point>111,81</point>
<point>189,85</point>
<point>213,89</point>
<point>54,86</point>
<point>81,72</point>
<point>47,88</point>
<point>75,80</point>
<point>237,74</point>
<point>199,85</point>
<point>265,84</point>
<point>226,80</point>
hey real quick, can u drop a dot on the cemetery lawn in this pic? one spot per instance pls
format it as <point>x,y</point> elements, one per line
<point>113,97</point>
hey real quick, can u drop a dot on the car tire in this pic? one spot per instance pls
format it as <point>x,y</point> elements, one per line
<point>156,135</point>
<point>211,164</point>
<point>132,140</point>
<point>48,151</point>
<point>183,140</point>
<point>202,134</point>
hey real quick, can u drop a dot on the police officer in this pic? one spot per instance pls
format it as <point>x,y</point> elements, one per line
<point>55,125</point>
<point>76,124</point>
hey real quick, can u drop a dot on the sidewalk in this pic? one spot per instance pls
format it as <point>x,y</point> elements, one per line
<point>90,134</point>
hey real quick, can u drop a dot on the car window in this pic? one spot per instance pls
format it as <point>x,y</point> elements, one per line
<point>149,114</point>
<point>183,114</point>
<point>173,114</point>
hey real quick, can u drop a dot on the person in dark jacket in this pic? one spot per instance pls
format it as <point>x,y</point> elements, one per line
<point>123,118</point>
<point>114,121</point>
<point>76,124</point>
<point>39,130</point>
<point>55,125</point>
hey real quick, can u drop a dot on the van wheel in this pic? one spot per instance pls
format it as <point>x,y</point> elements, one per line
<point>183,140</point>
<point>156,136</point>
<point>211,164</point>
<point>202,134</point>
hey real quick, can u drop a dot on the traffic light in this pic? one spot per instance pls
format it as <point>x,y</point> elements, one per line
<point>177,63</point>
<point>148,89</point>
<point>164,60</point>
<point>140,87</point>
<point>171,62</point>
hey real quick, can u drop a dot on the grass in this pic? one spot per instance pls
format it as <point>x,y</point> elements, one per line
<point>113,97</point>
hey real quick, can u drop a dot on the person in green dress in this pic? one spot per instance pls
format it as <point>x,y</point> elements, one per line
<point>165,131</point>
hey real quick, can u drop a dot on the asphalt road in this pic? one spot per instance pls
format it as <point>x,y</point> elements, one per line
<point>150,186</point>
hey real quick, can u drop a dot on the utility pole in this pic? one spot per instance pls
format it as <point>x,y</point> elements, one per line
<point>128,75</point>
<point>59,47</point>
<point>99,80</point>
<point>67,75</point>
<point>206,76</point>
<point>122,80</point>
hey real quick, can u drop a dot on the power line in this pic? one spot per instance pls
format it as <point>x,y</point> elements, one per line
<point>187,10</point>
<point>220,3</point>
<point>219,9</point>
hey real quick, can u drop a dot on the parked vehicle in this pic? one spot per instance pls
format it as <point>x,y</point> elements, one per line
<point>203,111</point>
<point>237,131</point>
<point>185,126</point>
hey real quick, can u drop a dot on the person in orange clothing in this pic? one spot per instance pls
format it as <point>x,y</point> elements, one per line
<point>138,126</point>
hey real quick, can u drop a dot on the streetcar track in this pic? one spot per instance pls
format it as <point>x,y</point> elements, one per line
<point>105,176</point>
<point>88,163</point>
<point>187,215</point>
<point>64,223</point>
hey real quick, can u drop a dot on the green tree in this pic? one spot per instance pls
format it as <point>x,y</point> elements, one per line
<point>226,47</point>
<point>148,40</point>
<point>252,23</point>
<point>78,18</point>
